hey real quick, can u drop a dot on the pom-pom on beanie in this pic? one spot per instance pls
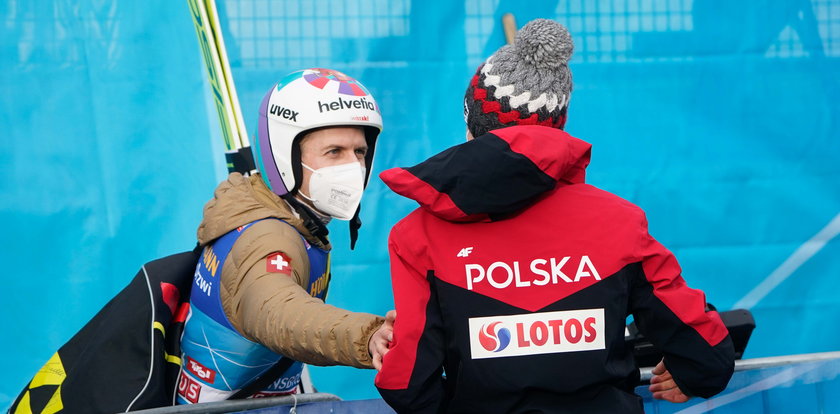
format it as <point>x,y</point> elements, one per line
<point>524,83</point>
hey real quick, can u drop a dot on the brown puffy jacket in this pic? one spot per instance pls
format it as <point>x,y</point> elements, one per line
<point>270,308</point>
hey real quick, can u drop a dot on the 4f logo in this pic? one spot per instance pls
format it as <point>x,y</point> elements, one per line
<point>465,252</point>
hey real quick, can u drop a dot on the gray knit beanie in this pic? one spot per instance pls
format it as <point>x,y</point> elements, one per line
<point>525,83</point>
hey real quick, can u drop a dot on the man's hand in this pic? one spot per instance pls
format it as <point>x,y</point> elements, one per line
<point>663,387</point>
<point>380,341</point>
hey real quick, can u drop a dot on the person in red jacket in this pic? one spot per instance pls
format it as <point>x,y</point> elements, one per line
<point>514,278</point>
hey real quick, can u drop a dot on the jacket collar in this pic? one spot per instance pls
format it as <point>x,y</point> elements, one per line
<point>494,175</point>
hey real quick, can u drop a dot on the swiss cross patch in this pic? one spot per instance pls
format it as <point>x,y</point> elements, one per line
<point>278,262</point>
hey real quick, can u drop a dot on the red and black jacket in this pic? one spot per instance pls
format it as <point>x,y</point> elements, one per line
<point>513,281</point>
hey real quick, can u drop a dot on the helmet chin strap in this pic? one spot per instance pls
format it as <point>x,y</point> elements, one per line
<point>355,223</point>
<point>310,218</point>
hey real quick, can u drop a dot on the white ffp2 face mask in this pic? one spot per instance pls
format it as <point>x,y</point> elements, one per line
<point>337,190</point>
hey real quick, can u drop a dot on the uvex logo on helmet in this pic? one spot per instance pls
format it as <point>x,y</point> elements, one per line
<point>494,338</point>
<point>283,112</point>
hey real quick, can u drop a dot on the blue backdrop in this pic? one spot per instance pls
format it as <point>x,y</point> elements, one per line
<point>719,118</point>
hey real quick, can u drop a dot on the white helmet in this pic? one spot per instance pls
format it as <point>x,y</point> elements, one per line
<point>302,101</point>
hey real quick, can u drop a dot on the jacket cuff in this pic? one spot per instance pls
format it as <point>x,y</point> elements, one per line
<point>365,360</point>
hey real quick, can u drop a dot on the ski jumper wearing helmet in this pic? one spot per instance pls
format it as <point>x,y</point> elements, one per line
<point>217,360</point>
<point>262,303</point>
<point>303,101</point>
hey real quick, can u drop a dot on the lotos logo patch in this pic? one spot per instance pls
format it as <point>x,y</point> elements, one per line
<point>493,338</point>
<point>537,333</point>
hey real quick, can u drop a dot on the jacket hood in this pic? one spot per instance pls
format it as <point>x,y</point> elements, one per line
<point>240,200</point>
<point>494,175</point>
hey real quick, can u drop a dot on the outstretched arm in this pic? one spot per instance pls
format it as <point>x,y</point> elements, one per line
<point>272,308</point>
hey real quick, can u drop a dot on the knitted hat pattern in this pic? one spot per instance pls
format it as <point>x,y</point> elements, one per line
<point>524,83</point>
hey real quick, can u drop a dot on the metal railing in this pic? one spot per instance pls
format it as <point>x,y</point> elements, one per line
<point>298,399</point>
<point>759,363</point>
<point>242,405</point>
